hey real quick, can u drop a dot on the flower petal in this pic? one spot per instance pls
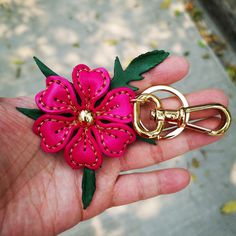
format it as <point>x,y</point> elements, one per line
<point>54,130</point>
<point>113,138</point>
<point>90,84</point>
<point>59,96</point>
<point>83,151</point>
<point>116,106</point>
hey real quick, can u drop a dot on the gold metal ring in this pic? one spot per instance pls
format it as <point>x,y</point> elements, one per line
<point>179,117</point>
<point>143,97</point>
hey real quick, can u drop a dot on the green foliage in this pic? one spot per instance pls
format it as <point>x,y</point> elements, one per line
<point>44,69</point>
<point>147,140</point>
<point>136,68</point>
<point>31,113</point>
<point>88,186</point>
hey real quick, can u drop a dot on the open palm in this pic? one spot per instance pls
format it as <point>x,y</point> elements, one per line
<point>41,195</point>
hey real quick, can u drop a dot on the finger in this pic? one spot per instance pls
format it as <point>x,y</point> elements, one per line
<point>141,154</point>
<point>139,186</point>
<point>171,70</point>
<point>20,101</point>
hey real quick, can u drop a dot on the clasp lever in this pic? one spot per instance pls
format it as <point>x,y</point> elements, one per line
<point>224,114</point>
<point>177,117</point>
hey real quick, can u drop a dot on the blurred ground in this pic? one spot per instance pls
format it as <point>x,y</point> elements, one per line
<point>65,33</point>
<point>218,32</point>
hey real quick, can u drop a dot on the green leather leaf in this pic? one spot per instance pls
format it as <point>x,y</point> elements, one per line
<point>31,113</point>
<point>44,69</point>
<point>136,68</point>
<point>147,140</point>
<point>88,186</point>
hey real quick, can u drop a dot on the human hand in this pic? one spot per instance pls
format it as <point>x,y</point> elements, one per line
<point>41,195</point>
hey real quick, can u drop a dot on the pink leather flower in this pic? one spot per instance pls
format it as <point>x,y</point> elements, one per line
<point>84,118</point>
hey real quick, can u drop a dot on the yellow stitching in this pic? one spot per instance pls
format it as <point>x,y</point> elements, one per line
<point>52,107</point>
<point>73,147</point>
<point>114,128</point>
<point>43,137</point>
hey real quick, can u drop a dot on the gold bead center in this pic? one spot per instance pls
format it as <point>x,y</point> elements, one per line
<point>85,117</point>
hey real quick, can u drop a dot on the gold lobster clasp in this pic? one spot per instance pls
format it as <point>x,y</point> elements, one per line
<point>178,118</point>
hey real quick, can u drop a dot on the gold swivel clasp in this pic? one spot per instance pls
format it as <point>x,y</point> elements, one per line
<point>177,118</point>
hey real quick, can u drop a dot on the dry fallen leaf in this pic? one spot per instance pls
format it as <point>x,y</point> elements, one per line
<point>228,207</point>
<point>231,70</point>
<point>18,61</point>
<point>165,4</point>
<point>193,177</point>
<point>195,163</point>
<point>76,45</point>
<point>111,42</point>
<point>153,44</point>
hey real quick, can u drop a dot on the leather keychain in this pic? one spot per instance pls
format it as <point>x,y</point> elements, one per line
<point>96,117</point>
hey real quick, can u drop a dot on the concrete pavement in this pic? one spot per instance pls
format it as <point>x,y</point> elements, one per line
<point>65,33</point>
